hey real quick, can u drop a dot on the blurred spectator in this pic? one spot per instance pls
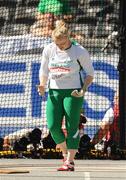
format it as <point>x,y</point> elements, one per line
<point>19,140</point>
<point>10,139</point>
<point>65,9</point>
<point>108,134</point>
<point>112,40</point>
<point>49,11</point>
<point>44,27</point>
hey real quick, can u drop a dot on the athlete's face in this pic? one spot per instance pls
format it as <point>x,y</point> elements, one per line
<point>63,43</point>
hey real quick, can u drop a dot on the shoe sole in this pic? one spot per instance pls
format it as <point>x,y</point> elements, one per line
<point>65,169</point>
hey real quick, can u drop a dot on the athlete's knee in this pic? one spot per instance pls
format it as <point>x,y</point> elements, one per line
<point>57,134</point>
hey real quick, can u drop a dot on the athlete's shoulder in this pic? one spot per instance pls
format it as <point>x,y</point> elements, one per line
<point>76,44</point>
<point>79,48</point>
<point>49,47</point>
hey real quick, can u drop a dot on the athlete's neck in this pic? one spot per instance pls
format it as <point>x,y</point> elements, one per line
<point>68,46</point>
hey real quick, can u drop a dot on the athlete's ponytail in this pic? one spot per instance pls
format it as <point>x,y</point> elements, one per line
<point>60,30</point>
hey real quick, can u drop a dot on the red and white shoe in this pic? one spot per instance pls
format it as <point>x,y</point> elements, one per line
<point>67,166</point>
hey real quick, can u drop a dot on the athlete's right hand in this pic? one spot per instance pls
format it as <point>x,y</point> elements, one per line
<point>41,90</point>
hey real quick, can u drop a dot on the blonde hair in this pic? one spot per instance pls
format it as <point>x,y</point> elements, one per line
<point>60,30</point>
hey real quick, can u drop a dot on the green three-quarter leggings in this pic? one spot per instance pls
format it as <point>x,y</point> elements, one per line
<point>60,103</point>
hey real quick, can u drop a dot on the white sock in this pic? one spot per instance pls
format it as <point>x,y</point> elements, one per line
<point>68,158</point>
<point>65,156</point>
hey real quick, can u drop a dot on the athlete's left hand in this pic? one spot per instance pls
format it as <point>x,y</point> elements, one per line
<point>77,93</point>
